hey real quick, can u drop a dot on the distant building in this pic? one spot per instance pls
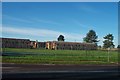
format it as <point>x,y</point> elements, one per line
<point>15,43</point>
<point>20,43</point>
<point>60,45</point>
<point>35,44</point>
<point>41,44</point>
<point>53,45</point>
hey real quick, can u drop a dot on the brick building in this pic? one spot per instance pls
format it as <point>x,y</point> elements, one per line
<point>60,45</point>
<point>15,43</point>
<point>20,43</point>
<point>41,44</point>
<point>35,44</point>
<point>53,45</point>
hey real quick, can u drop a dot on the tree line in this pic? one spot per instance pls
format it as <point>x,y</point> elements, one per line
<point>91,37</point>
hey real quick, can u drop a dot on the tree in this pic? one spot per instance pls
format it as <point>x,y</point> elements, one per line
<point>108,41</point>
<point>61,38</point>
<point>99,47</point>
<point>91,37</point>
<point>118,46</point>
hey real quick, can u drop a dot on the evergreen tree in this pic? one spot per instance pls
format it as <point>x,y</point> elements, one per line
<point>108,42</point>
<point>91,37</point>
<point>61,38</point>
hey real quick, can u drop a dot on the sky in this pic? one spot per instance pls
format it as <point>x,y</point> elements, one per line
<point>45,21</point>
<point>60,0</point>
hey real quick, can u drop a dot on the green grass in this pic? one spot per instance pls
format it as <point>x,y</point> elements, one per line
<point>42,56</point>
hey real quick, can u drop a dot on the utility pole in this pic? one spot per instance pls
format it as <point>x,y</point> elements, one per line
<point>108,54</point>
<point>71,47</point>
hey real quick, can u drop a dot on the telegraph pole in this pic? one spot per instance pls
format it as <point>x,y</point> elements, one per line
<point>108,54</point>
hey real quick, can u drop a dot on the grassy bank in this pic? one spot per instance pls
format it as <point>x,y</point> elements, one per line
<point>42,56</point>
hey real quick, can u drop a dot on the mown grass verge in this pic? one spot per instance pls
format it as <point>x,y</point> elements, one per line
<point>42,56</point>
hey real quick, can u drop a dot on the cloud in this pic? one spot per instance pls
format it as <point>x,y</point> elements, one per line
<point>85,26</point>
<point>47,21</point>
<point>47,34</point>
<point>17,19</point>
<point>87,8</point>
<point>33,20</point>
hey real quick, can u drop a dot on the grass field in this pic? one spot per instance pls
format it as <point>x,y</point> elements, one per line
<point>42,56</point>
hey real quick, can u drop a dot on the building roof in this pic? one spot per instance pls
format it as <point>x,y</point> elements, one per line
<point>14,39</point>
<point>70,42</point>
